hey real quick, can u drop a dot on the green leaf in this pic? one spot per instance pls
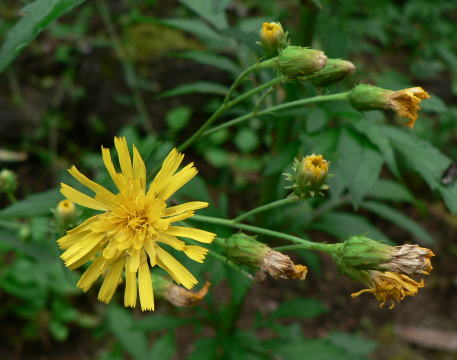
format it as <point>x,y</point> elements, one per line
<point>211,59</point>
<point>38,16</point>
<point>205,349</point>
<point>306,308</point>
<point>196,87</point>
<point>399,219</point>
<point>359,164</point>
<point>133,341</point>
<point>159,322</point>
<point>163,348</point>
<point>315,120</point>
<point>352,343</point>
<point>428,161</point>
<point>178,117</point>
<point>217,157</point>
<point>282,160</point>
<point>246,140</point>
<point>193,26</point>
<point>205,9</point>
<point>390,190</point>
<point>220,5</point>
<point>343,225</point>
<point>10,238</point>
<point>33,205</point>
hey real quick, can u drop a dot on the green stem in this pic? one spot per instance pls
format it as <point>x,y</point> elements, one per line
<point>328,248</point>
<point>321,98</point>
<point>238,80</point>
<point>225,106</point>
<point>227,262</point>
<point>265,208</point>
<point>306,244</point>
<point>11,197</point>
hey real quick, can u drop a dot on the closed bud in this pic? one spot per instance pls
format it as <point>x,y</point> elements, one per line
<point>295,62</point>
<point>405,103</point>
<point>308,176</point>
<point>8,181</point>
<point>334,70</point>
<point>246,250</point>
<point>272,37</point>
<point>177,295</point>
<point>65,215</point>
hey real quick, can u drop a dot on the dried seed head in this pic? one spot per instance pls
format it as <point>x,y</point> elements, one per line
<point>279,265</point>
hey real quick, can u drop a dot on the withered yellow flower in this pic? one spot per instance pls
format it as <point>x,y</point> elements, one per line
<point>177,295</point>
<point>390,287</point>
<point>280,266</point>
<point>128,236</point>
<point>272,36</point>
<point>410,259</point>
<point>404,102</point>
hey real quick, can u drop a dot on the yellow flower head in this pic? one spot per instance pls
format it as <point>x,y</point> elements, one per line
<point>308,176</point>
<point>128,236</point>
<point>406,102</point>
<point>66,208</point>
<point>390,287</point>
<point>272,36</point>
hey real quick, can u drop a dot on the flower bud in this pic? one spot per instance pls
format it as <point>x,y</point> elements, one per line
<point>295,62</point>
<point>308,176</point>
<point>272,37</point>
<point>65,215</point>
<point>177,295</point>
<point>8,181</point>
<point>334,71</point>
<point>245,250</point>
<point>405,103</point>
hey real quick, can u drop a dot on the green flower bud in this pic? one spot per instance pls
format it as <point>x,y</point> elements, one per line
<point>334,71</point>
<point>296,61</point>
<point>308,176</point>
<point>8,181</point>
<point>66,215</point>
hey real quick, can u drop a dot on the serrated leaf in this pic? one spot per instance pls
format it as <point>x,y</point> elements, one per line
<point>359,164</point>
<point>428,161</point>
<point>33,205</point>
<point>396,217</point>
<point>299,308</point>
<point>390,190</point>
<point>38,16</point>
<point>343,225</point>
<point>203,87</point>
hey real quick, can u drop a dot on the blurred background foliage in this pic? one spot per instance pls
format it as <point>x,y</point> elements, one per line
<point>153,72</point>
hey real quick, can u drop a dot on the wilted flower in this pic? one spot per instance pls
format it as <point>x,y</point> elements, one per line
<point>272,37</point>
<point>295,62</point>
<point>404,102</point>
<point>388,286</point>
<point>128,235</point>
<point>410,259</point>
<point>308,176</point>
<point>178,295</point>
<point>333,71</point>
<point>246,250</point>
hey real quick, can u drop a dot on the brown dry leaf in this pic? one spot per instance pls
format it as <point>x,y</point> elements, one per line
<point>429,338</point>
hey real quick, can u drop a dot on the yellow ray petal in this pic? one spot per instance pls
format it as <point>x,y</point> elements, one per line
<point>117,178</point>
<point>150,248</point>
<point>81,199</point>
<point>111,281</point>
<point>172,241</point>
<point>179,217</point>
<point>92,273</point>
<point>86,258</point>
<point>135,260</point>
<point>80,249</point>
<point>124,157</point>
<point>195,252</point>
<point>191,233</point>
<point>177,181</point>
<point>139,169</point>
<point>169,167</point>
<point>130,294</point>
<point>188,206</point>
<point>145,286</point>
<point>177,271</point>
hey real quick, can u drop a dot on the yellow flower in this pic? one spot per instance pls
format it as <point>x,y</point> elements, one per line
<point>308,176</point>
<point>390,287</point>
<point>272,36</point>
<point>66,208</point>
<point>128,236</point>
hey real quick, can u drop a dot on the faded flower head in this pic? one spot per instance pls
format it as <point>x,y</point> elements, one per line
<point>308,176</point>
<point>410,260</point>
<point>177,295</point>
<point>246,250</point>
<point>272,37</point>
<point>389,286</point>
<point>129,235</point>
<point>404,102</point>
